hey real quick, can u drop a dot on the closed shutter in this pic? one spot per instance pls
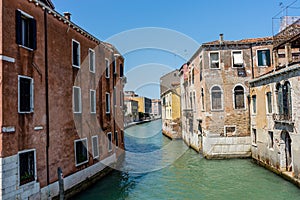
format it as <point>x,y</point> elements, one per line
<point>18,27</point>
<point>32,35</point>
<point>25,95</point>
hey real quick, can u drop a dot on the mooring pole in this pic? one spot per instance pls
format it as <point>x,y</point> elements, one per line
<point>61,184</point>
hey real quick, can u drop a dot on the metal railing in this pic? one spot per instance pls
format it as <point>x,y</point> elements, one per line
<point>282,117</point>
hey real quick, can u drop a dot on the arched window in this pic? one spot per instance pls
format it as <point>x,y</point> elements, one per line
<point>279,98</point>
<point>216,98</point>
<point>239,99</point>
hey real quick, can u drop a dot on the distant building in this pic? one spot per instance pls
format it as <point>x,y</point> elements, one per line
<point>131,111</point>
<point>214,95</point>
<point>156,108</point>
<point>144,106</point>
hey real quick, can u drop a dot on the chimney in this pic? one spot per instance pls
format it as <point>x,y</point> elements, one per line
<point>221,38</point>
<point>67,15</point>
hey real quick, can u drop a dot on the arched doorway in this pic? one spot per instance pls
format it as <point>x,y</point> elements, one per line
<point>286,151</point>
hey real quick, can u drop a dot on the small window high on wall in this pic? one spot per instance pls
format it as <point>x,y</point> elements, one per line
<point>263,58</point>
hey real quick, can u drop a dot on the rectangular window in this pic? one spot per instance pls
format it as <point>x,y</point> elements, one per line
<point>121,70</point>
<point>95,146</point>
<point>115,66</point>
<point>25,94</point>
<point>75,54</point>
<point>27,166</point>
<point>107,103</point>
<point>76,99</point>
<point>271,140</point>
<point>193,76</point>
<point>116,138</point>
<point>254,104</point>
<point>25,30</point>
<point>237,59</point>
<point>254,136</point>
<point>263,58</point>
<point>109,138</point>
<point>106,68</point>
<point>92,60</point>
<point>93,101</point>
<point>81,153</point>
<point>214,60</point>
<point>269,102</point>
<point>115,97</point>
<point>229,131</point>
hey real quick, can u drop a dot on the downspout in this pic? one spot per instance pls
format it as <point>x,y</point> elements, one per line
<point>47,95</point>
<point>249,86</point>
<point>252,67</point>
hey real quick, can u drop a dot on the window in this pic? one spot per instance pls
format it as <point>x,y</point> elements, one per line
<point>254,104</point>
<point>202,98</point>
<point>115,65</point>
<point>75,54</point>
<point>239,99</point>
<point>92,60</point>
<point>237,59</point>
<point>201,69</point>
<point>216,98</point>
<point>109,137</point>
<point>116,138</point>
<point>25,30</point>
<point>284,100</point>
<point>271,140</point>
<point>106,68</point>
<point>115,97</point>
<point>254,136</point>
<point>229,130</point>
<point>25,94</point>
<point>107,103</point>
<point>269,102</point>
<point>93,101</point>
<point>27,168</point>
<point>76,99</point>
<point>121,70</point>
<point>81,153</point>
<point>193,76</point>
<point>279,98</point>
<point>214,60</point>
<point>95,146</point>
<point>263,58</point>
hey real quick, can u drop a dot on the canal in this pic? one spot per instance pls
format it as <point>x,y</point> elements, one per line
<point>158,168</point>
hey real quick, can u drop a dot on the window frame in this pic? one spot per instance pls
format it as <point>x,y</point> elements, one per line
<point>115,65</point>
<point>234,97</point>
<point>254,137</point>
<point>271,140</point>
<point>211,98</point>
<point>254,108</point>
<point>116,137</point>
<point>270,58</point>
<point>92,65</point>
<point>230,126</point>
<point>80,100</point>
<point>93,148</point>
<point>93,108</point>
<point>107,103</point>
<point>210,63</point>
<point>31,95</point>
<point>78,52</point>
<point>232,59</point>
<point>107,68</point>
<point>87,154</point>
<point>35,166</point>
<point>109,142</point>
<point>269,105</point>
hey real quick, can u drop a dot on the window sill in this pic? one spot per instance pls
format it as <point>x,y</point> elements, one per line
<point>27,48</point>
<point>29,112</point>
<point>75,66</point>
<point>263,66</point>
<point>221,110</point>
<point>254,145</point>
<point>77,165</point>
<point>215,68</point>
<point>271,149</point>
<point>77,112</point>
<point>26,184</point>
<point>240,109</point>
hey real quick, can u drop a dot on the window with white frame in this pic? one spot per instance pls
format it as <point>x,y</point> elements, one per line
<point>75,54</point>
<point>239,97</point>
<point>202,98</point>
<point>107,68</point>
<point>237,59</point>
<point>254,104</point>
<point>107,102</point>
<point>81,153</point>
<point>116,138</point>
<point>92,60</point>
<point>27,166</point>
<point>25,94</point>
<point>269,102</point>
<point>76,99</point>
<point>95,146</point>
<point>193,76</point>
<point>115,65</point>
<point>214,60</point>
<point>216,98</point>
<point>271,140</point>
<point>263,58</point>
<point>229,131</point>
<point>109,139</point>
<point>254,136</point>
<point>25,30</point>
<point>93,101</point>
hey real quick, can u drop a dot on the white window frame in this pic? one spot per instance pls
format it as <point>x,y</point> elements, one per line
<point>245,98</point>
<point>87,151</point>
<point>115,65</point>
<point>257,57</point>
<point>117,139</point>
<point>107,103</point>
<point>31,94</point>
<point>109,143</point>
<point>35,167</point>
<point>267,106</point>
<point>79,51</point>
<point>28,17</point>
<point>92,65</point>
<point>226,126</point>
<point>107,68</point>
<point>232,58</point>
<point>222,98</point>
<point>93,108</point>
<point>80,100</point>
<point>270,141</point>
<point>252,137</point>
<point>252,107</point>
<point>209,54</point>
<point>97,139</point>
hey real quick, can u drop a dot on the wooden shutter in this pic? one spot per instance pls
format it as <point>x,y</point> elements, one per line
<point>18,27</point>
<point>32,33</point>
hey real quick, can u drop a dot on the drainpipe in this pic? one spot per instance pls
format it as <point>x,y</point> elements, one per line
<point>47,95</point>
<point>252,67</point>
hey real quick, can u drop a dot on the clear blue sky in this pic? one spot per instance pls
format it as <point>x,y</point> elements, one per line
<point>199,20</point>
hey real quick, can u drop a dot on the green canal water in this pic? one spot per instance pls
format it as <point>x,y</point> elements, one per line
<point>158,168</point>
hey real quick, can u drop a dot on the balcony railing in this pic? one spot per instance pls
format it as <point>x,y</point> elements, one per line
<point>282,118</point>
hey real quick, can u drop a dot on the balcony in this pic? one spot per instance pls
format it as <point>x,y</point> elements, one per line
<point>283,118</point>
